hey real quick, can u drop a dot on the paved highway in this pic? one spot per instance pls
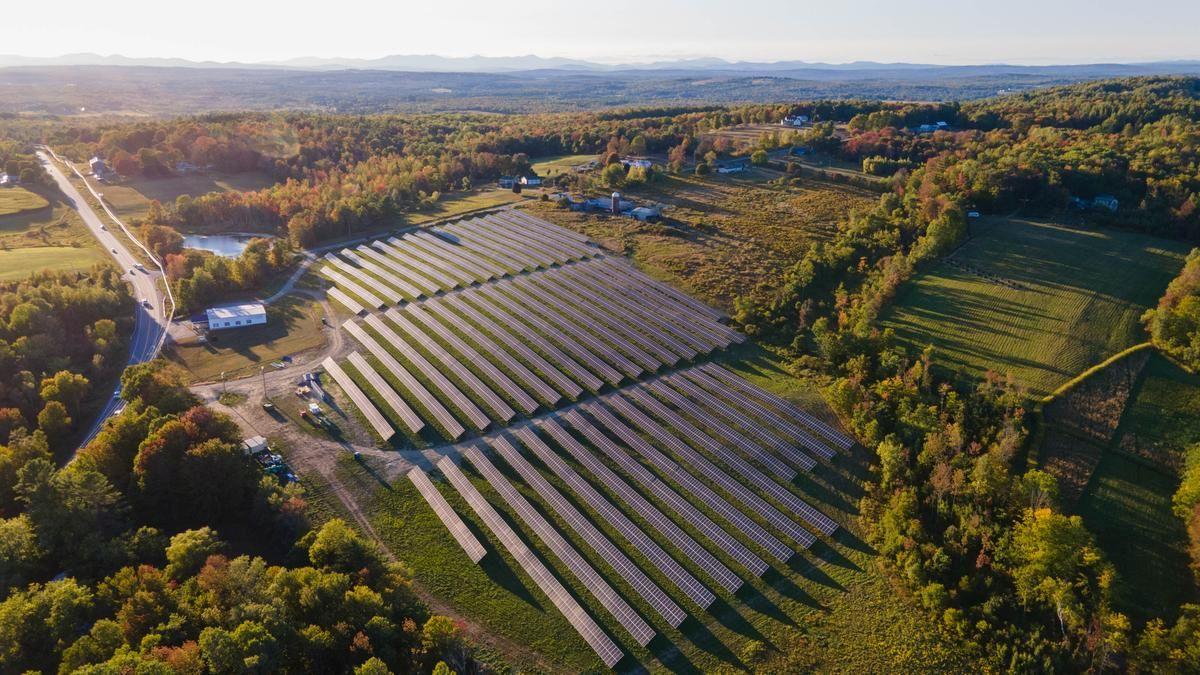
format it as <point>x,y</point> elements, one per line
<point>151,316</point>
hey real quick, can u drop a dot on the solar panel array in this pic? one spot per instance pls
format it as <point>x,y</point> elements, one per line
<point>672,475</point>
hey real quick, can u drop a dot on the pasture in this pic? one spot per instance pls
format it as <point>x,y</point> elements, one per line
<point>723,236</point>
<point>548,167</point>
<point>1034,300</point>
<point>15,200</point>
<point>20,263</point>
<point>460,203</point>
<point>131,198</point>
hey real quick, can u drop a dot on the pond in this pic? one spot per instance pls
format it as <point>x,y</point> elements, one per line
<point>224,245</point>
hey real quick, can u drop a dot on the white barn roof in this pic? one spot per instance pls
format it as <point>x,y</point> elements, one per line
<point>250,310</point>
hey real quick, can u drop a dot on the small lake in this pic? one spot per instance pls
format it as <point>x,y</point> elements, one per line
<point>224,245</point>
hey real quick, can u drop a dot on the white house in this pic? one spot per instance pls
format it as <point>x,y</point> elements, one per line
<point>531,181</point>
<point>236,316</point>
<point>636,163</point>
<point>794,120</point>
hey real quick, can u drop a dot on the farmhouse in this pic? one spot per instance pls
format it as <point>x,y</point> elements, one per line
<point>636,163</point>
<point>236,316</point>
<point>794,120</point>
<point>100,170</point>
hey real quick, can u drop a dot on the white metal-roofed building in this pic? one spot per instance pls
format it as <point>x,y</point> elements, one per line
<point>236,316</point>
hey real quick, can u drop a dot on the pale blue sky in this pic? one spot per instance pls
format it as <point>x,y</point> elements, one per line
<point>966,31</point>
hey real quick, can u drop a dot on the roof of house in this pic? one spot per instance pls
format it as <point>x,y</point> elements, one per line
<point>236,311</point>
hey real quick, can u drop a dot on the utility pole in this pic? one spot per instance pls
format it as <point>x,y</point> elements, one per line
<point>224,390</point>
<point>262,370</point>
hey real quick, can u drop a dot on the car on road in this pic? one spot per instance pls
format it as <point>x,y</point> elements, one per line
<point>141,267</point>
<point>104,228</point>
<point>113,250</point>
<point>145,303</point>
<point>117,393</point>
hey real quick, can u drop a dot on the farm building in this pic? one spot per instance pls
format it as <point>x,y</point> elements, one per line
<point>506,181</point>
<point>235,316</point>
<point>731,168</point>
<point>646,214</point>
<point>254,444</point>
<point>636,162</point>
<point>531,181</point>
<point>100,169</point>
<point>1106,202</point>
<point>794,121</point>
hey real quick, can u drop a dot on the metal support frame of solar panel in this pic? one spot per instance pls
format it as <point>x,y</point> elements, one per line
<point>409,291</point>
<point>587,575</point>
<point>449,423</point>
<point>801,436</point>
<point>672,570</point>
<point>639,293</point>
<point>687,456</point>
<point>622,339</point>
<point>458,529</point>
<point>630,271</point>
<point>664,493</point>
<point>366,280</point>
<point>682,331</point>
<point>696,488</point>
<point>378,422</point>
<point>414,247</point>
<point>510,265</point>
<point>681,540</point>
<point>534,359</point>
<point>579,619</point>
<point>382,253</point>
<point>457,258</point>
<point>448,389</point>
<point>534,323</point>
<point>547,247</point>
<point>366,296</point>
<point>591,535</point>
<point>385,391</point>
<point>525,401</point>
<point>730,435</point>
<point>400,251</point>
<point>545,226</point>
<point>783,405</point>
<point>346,301</point>
<point>577,247</point>
<point>412,282</point>
<point>664,347</point>
<point>730,459</point>
<point>464,375</point>
<point>523,295</point>
<point>756,429</point>
<point>475,230</point>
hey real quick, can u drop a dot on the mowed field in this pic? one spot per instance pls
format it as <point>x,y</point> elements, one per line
<point>20,263</point>
<point>723,237</point>
<point>16,200</point>
<point>49,237</point>
<point>1038,301</point>
<point>552,166</point>
<point>131,198</point>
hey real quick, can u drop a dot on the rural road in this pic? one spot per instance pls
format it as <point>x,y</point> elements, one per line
<point>151,322</point>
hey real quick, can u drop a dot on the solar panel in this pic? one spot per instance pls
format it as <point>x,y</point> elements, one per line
<point>665,564</point>
<point>532,358</point>
<point>579,619</point>
<point>595,539</point>
<point>449,272</point>
<point>690,339</point>
<point>444,385</point>
<point>347,301</point>
<point>666,527</point>
<point>376,251</point>
<point>521,236</point>
<point>557,316</point>
<point>399,250</point>
<point>458,529</point>
<point>715,405</point>
<point>338,278</point>
<point>410,291</point>
<point>621,275</point>
<point>402,273</point>
<point>473,230</point>
<point>635,625</point>
<point>599,367</point>
<point>579,247</point>
<point>418,391</point>
<point>389,395</point>
<point>701,379</point>
<point>651,354</point>
<point>546,227</point>
<point>485,366</point>
<point>730,435</point>
<point>378,422</point>
<point>366,280</point>
<point>450,256</point>
<point>829,432</point>
<point>749,499</point>
<point>484,251</point>
<point>464,375</point>
<point>625,269</point>
<point>665,494</point>
<point>698,490</point>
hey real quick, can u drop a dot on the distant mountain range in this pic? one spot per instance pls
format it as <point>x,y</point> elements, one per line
<point>545,66</point>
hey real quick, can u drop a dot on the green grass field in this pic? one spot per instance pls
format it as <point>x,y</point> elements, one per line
<point>457,203</point>
<point>828,609</point>
<point>552,166</point>
<point>19,263</point>
<point>131,198</point>
<point>1077,299</point>
<point>18,200</point>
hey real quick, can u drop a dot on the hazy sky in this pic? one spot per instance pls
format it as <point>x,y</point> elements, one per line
<point>962,31</point>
